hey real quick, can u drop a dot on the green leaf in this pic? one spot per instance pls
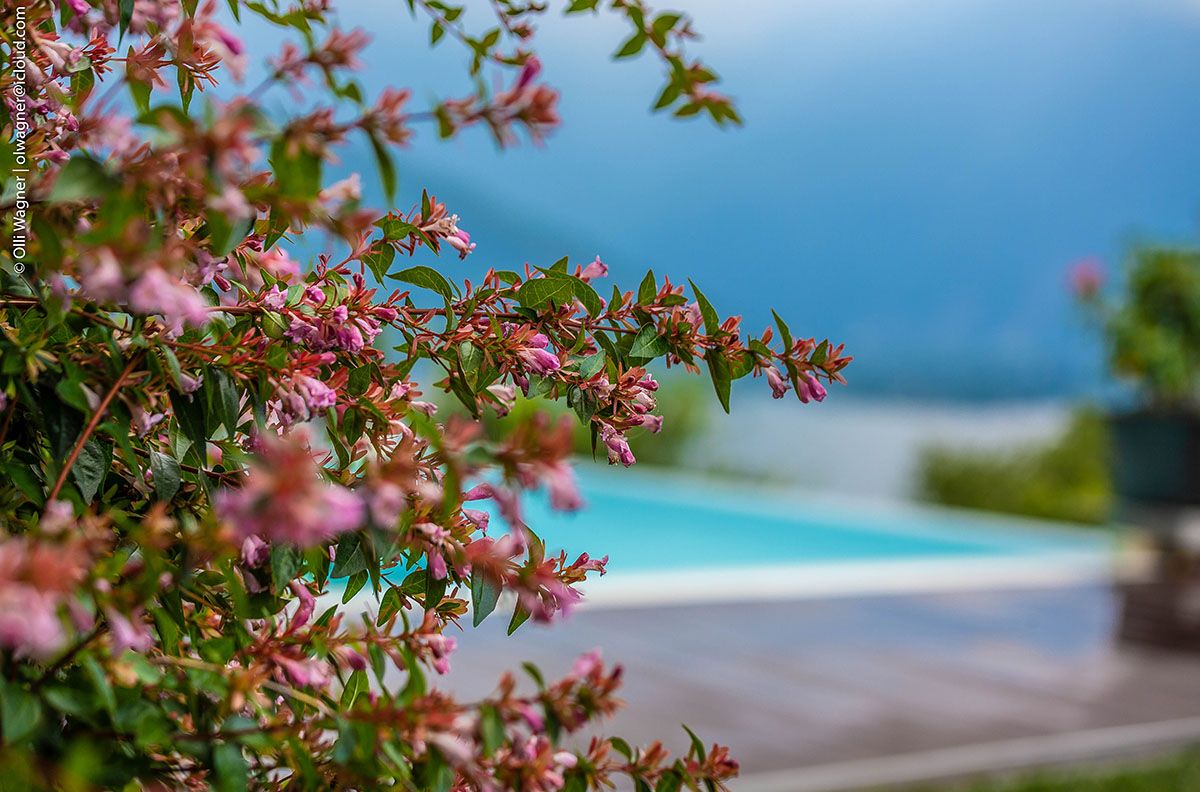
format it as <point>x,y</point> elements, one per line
<point>166,474</point>
<point>591,366</point>
<point>621,747</point>
<point>354,685</point>
<point>297,170</point>
<point>485,593</point>
<point>225,401</point>
<point>125,14</point>
<point>63,423</point>
<point>387,168</point>
<point>379,259</point>
<point>718,369</point>
<point>229,767</point>
<point>554,289</point>
<point>359,380</point>
<point>819,354</point>
<point>354,585</point>
<point>435,590</point>
<point>189,412</point>
<point>426,278</point>
<point>632,46</point>
<point>91,467</point>
<point>82,179</point>
<point>648,344</point>
<point>519,617</point>
<point>348,559</point>
<point>389,606</point>
<point>712,322</point>
<point>697,744</point>
<point>491,729</point>
<point>648,289</point>
<point>20,713</point>
<point>670,781</point>
<point>470,357</point>
<point>670,92</point>
<point>285,565</point>
<point>71,392</point>
<point>588,297</point>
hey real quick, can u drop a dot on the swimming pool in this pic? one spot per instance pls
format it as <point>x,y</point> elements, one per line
<point>694,538</point>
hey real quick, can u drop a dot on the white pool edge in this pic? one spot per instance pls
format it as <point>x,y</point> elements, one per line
<point>846,579</point>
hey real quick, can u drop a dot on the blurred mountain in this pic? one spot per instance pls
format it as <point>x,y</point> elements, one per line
<point>913,179</point>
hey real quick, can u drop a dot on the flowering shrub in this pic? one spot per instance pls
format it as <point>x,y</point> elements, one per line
<point>1153,331</point>
<point>199,436</point>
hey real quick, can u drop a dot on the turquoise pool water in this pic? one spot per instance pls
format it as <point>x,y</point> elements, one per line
<point>663,522</point>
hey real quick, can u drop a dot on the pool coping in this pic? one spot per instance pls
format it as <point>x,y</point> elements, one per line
<point>849,579</point>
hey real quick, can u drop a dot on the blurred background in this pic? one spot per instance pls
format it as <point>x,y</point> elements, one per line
<point>977,557</point>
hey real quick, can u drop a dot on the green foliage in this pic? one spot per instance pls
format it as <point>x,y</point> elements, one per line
<point>1065,479</point>
<point>1153,332</point>
<point>1175,774</point>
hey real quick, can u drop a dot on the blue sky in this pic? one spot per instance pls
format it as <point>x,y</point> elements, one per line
<point>913,178</point>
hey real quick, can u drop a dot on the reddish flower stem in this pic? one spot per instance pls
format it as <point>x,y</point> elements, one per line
<point>92,424</point>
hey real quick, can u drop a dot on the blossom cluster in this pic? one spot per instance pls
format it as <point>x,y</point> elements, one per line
<point>214,449</point>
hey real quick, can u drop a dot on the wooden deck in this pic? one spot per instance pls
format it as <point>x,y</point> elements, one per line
<point>799,684</point>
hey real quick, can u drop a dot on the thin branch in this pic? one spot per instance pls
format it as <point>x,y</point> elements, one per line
<point>88,430</point>
<point>65,660</point>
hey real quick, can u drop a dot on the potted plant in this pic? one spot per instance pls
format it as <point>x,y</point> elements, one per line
<point>1152,332</point>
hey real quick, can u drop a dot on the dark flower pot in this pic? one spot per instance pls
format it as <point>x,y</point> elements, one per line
<point>1156,457</point>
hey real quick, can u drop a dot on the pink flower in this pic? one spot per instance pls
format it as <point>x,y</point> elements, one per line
<point>284,499</point>
<point>35,579</point>
<point>618,446</point>
<point>809,388</point>
<point>461,241</point>
<point>597,269</point>
<point>304,610</point>
<point>506,397</point>
<point>189,384</point>
<point>128,632</point>
<point>478,518</point>
<point>440,648</point>
<point>255,551</point>
<point>387,501</point>
<point>586,663</point>
<point>274,298</point>
<point>57,517</point>
<point>564,491</point>
<point>529,72</point>
<point>585,563</point>
<point>1087,278</point>
<point>304,672</point>
<point>348,189</point>
<point>281,266</point>
<point>29,623</point>
<point>156,292</point>
<point>353,659</point>
<point>535,356</point>
<point>532,717</point>
<point>779,386</point>
<point>653,423</point>
<point>509,503</point>
<point>301,399</point>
